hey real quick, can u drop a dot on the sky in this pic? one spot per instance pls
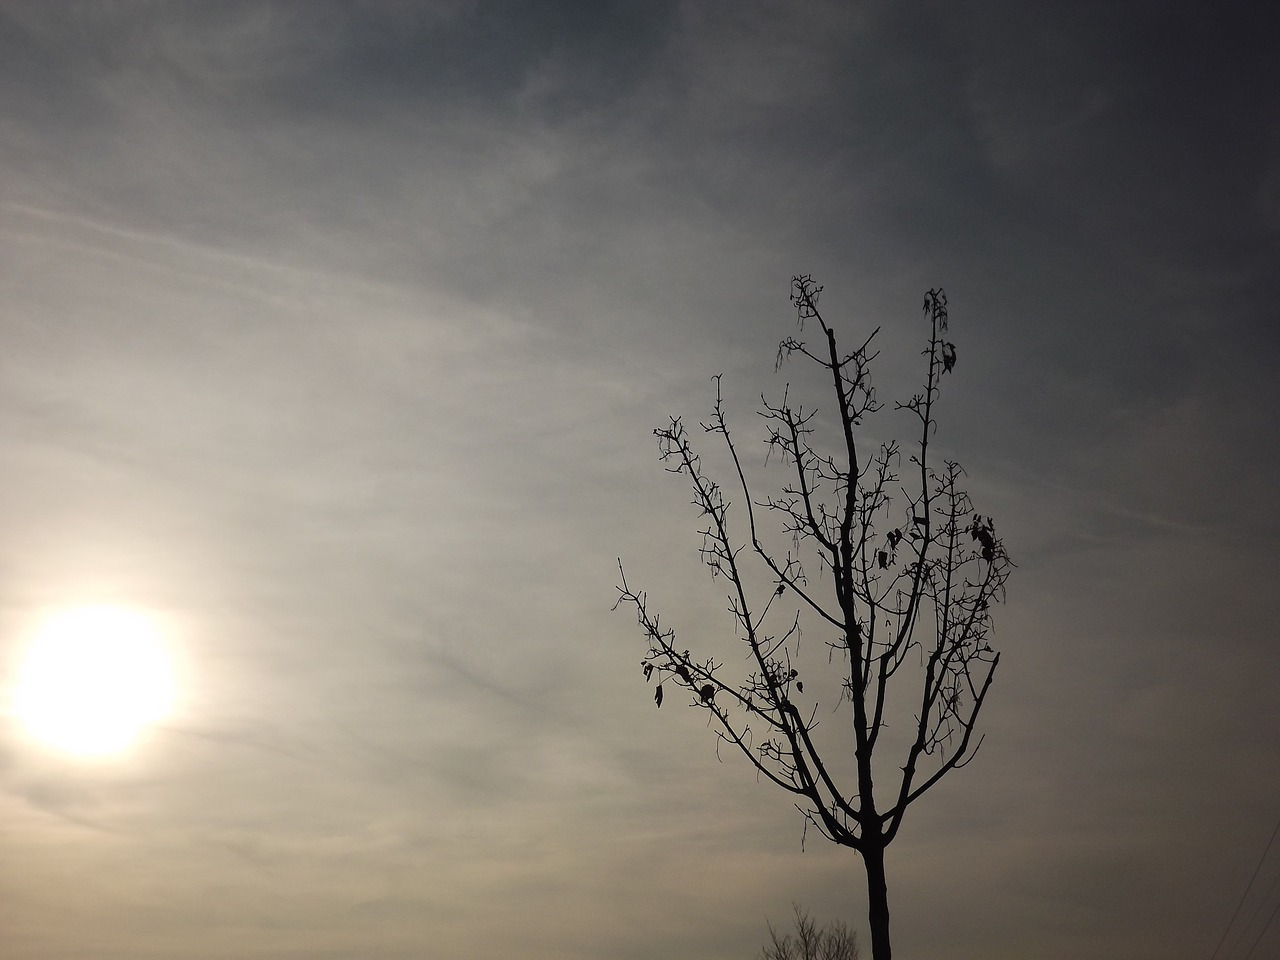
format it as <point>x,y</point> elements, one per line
<point>332,335</point>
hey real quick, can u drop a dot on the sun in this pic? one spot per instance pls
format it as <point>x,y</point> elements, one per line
<point>92,678</point>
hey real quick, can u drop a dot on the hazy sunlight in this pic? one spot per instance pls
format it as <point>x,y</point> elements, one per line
<point>92,678</point>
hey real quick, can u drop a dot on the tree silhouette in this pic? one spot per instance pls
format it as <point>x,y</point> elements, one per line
<point>890,563</point>
<point>833,942</point>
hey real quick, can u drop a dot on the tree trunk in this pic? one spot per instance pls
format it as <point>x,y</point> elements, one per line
<point>877,903</point>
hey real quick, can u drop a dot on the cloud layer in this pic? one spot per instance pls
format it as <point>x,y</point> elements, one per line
<point>334,335</point>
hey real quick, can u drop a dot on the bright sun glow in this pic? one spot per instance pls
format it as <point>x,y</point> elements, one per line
<point>92,678</point>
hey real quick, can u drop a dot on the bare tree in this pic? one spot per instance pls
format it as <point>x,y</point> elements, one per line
<point>889,561</point>
<point>833,942</point>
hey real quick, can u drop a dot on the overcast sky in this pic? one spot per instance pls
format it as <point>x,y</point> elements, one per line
<point>333,334</point>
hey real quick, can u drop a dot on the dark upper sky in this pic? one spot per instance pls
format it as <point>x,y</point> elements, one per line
<point>332,334</point>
